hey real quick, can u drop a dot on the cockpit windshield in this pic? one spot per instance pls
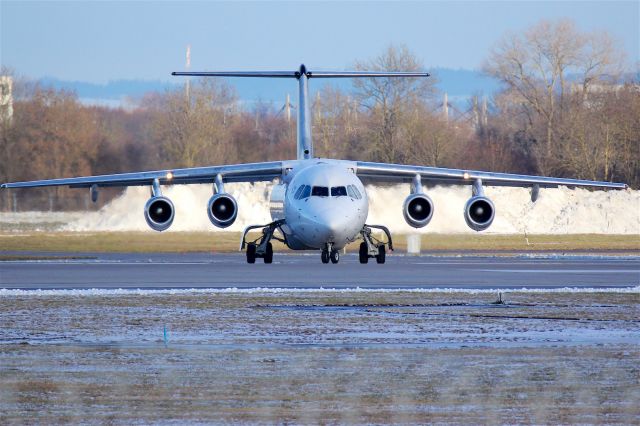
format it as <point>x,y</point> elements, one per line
<point>320,191</point>
<point>306,191</point>
<point>338,191</point>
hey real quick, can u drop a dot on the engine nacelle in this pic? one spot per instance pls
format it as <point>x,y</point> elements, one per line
<point>222,210</point>
<point>159,212</point>
<point>417,210</point>
<point>479,212</point>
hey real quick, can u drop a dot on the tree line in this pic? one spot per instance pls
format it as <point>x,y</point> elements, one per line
<point>565,109</point>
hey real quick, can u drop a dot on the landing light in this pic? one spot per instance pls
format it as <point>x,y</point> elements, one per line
<point>169,175</point>
<point>465,175</point>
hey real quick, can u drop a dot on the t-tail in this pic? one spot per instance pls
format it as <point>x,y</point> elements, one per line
<point>305,143</point>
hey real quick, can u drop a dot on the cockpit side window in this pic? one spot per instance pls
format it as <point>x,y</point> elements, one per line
<point>298,192</point>
<point>320,191</point>
<point>306,192</point>
<point>351,192</point>
<point>338,191</point>
<point>356,193</point>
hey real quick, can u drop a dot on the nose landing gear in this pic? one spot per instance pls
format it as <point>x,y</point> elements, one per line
<point>330,254</point>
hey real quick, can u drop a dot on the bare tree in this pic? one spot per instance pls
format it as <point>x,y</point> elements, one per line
<point>542,66</point>
<point>388,99</point>
<point>335,123</point>
<point>193,128</point>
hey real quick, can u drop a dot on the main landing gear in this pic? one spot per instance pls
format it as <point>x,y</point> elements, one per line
<point>371,247</point>
<point>329,254</point>
<point>261,247</point>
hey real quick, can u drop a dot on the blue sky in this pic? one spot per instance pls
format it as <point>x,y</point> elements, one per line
<point>102,41</point>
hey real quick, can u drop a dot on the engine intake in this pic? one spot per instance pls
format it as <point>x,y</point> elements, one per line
<point>479,213</point>
<point>159,213</point>
<point>222,210</point>
<point>417,210</point>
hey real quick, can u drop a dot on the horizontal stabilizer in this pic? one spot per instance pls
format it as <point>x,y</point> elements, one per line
<point>272,74</point>
<point>302,70</point>
<point>354,74</point>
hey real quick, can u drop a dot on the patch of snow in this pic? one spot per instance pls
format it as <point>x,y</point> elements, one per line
<point>284,291</point>
<point>557,210</point>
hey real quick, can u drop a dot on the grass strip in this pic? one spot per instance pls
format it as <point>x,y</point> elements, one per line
<point>178,242</point>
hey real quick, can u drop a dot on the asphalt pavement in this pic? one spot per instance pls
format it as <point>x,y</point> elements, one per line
<point>207,270</point>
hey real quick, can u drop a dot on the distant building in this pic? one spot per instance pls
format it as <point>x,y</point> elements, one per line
<point>6,98</point>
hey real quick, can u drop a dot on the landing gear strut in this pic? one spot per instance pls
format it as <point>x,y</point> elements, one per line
<point>262,247</point>
<point>371,247</point>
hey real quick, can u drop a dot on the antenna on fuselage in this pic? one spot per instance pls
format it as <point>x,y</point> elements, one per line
<point>305,144</point>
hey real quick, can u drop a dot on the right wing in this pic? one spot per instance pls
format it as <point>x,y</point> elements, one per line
<point>249,172</point>
<point>437,175</point>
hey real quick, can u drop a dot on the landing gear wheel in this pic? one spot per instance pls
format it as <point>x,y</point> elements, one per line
<point>364,253</point>
<point>324,256</point>
<point>381,256</point>
<point>251,253</point>
<point>268,255</point>
<point>335,256</point>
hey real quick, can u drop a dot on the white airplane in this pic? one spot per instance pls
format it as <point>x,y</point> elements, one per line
<point>316,203</point>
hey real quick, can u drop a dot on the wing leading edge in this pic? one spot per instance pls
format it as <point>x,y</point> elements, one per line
<point>249,172</point>
<point>390,172</point>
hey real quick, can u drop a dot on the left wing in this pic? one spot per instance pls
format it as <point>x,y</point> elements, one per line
<point>249,172</point>
<point>390,172</point>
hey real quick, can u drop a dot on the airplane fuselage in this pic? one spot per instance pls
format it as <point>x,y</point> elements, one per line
<point>322,202</point>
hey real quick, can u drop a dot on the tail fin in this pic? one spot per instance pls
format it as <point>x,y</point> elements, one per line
<point>305,144</point>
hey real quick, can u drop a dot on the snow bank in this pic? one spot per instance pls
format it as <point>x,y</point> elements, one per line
<point>557,211</point>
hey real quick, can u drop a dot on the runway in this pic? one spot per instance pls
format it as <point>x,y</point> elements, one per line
<point>207,270</point>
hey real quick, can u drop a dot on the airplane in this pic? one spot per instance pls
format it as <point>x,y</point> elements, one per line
<point>316,203</point>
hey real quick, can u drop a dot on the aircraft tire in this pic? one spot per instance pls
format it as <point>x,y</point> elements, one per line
<point>268,255</point>
<point>382,254</point>
<point>324,256</point>
<point>251,253</point>
<point>364,253</point>
<point>335,256</point>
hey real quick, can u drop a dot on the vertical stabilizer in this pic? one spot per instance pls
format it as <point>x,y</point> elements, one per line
<point>304,143</point>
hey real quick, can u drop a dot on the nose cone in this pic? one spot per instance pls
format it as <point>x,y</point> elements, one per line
<point>332,224</point>
<point>322,220</point>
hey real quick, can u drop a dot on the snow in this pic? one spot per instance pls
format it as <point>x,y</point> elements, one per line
<point>4,292</point>
<point>557,210</point>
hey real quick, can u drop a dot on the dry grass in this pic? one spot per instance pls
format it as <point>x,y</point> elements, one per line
<point>229,241</point>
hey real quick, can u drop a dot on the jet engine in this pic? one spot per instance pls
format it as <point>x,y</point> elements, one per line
<point>159,212</point>
<point>418,210</point>
<point>479,212</point>
<point>418,207</point>
<point>222,210</point>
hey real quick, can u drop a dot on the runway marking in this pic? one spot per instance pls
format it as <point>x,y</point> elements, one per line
<point>563,271</point>
<point>527,262</point>
<point>111,262</point>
